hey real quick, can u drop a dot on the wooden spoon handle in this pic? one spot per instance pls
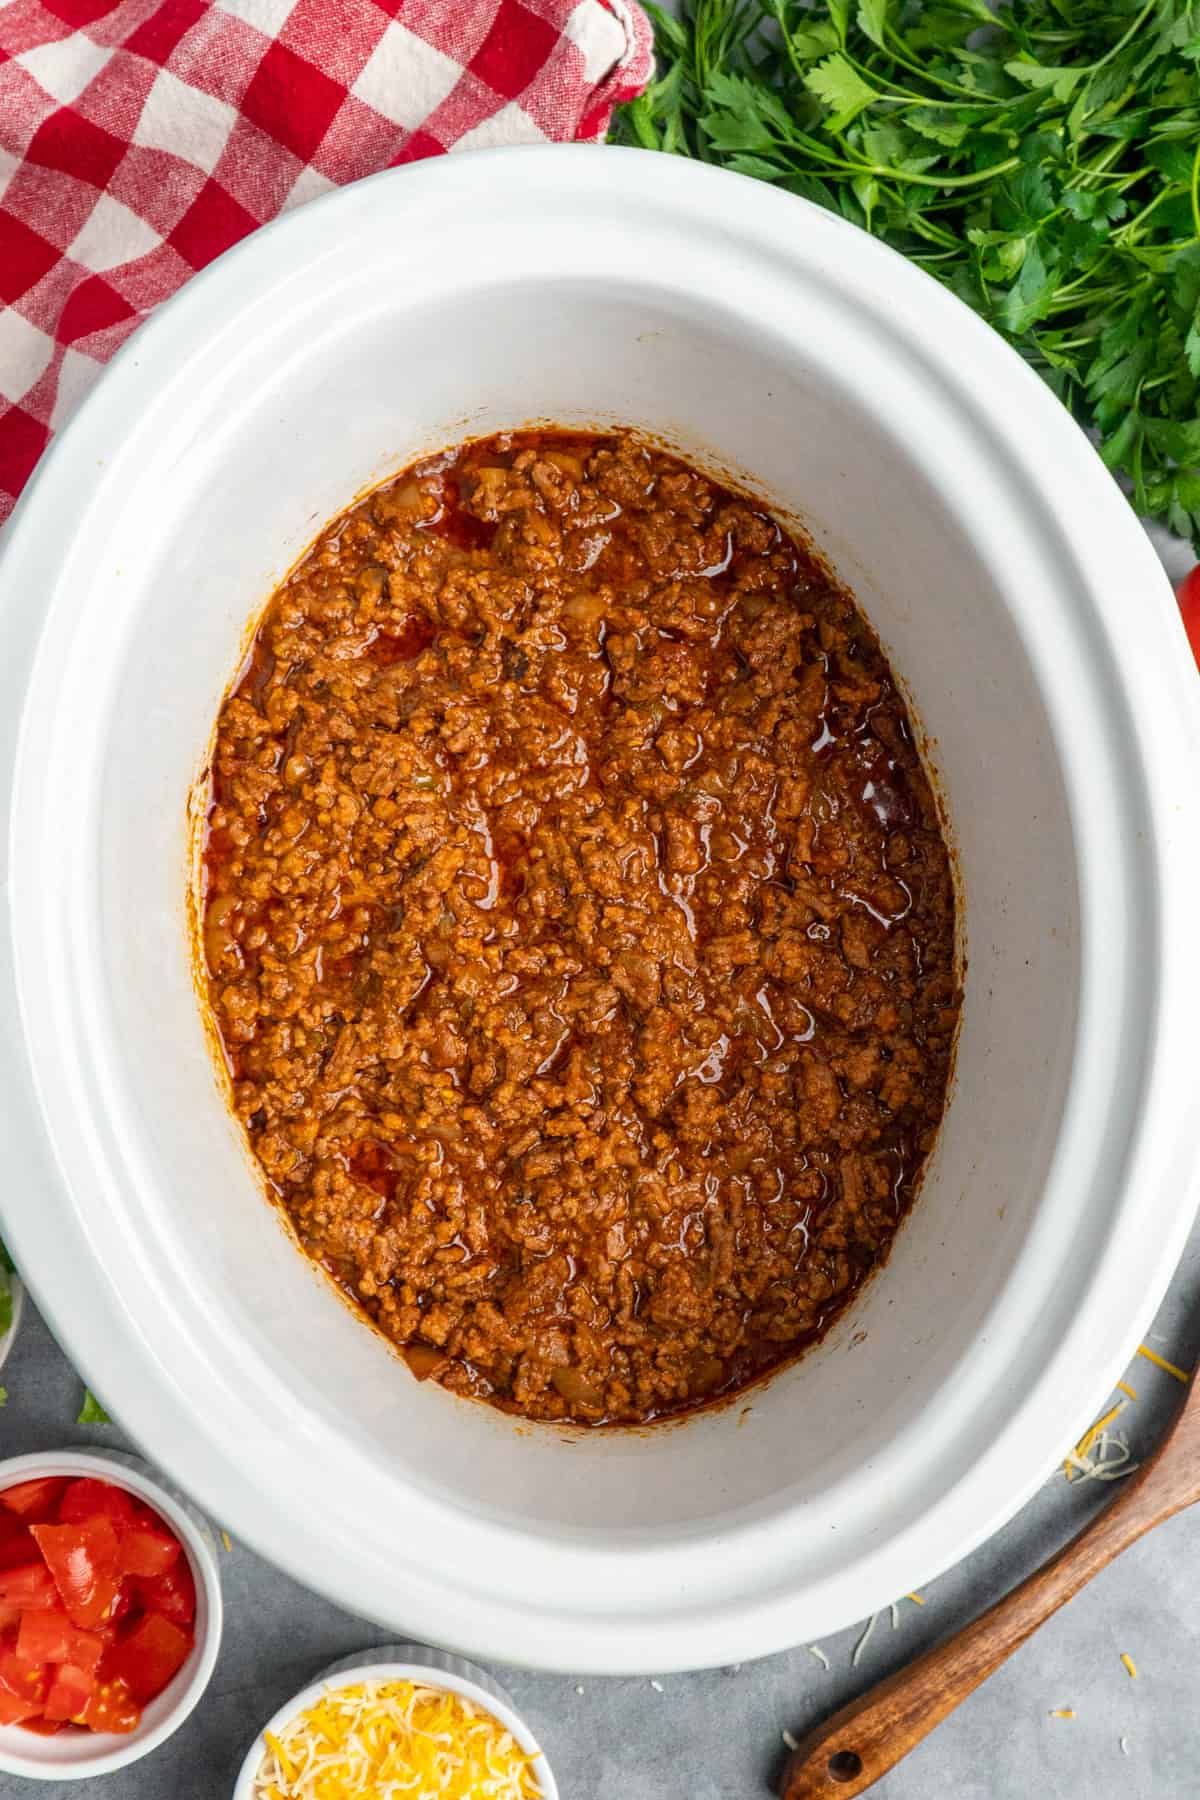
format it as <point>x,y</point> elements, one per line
<point>853,1749</point>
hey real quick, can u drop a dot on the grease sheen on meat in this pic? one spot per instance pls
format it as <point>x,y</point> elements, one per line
<point>579,927</point>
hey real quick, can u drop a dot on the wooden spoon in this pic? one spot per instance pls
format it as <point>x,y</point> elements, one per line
<point>852,1750</point>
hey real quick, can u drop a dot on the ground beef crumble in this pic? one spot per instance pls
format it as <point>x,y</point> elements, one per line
<point>579,928</point>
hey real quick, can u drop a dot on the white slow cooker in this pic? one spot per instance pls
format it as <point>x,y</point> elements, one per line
<point>1028,616</point>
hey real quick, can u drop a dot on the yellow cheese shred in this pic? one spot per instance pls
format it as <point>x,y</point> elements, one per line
<point>394,1740</point>
<point>1078,1458</point>
<point>1160,1362</point>
<point>1093,1432</point>
<point>1130,1665</point>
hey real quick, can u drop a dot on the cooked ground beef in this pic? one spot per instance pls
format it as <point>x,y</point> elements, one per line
<point>579,927</point>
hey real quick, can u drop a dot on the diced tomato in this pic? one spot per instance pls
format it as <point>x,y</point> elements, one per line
<point>147,1553</point>
<point>96,1605</point>
<point>125,1603</point>
<point>82,1558</point>
<point>70,1691</point>
<point>14,1711</point>
<point>34,1499</point>
<point>111,1708</point>
<point>1188,595</point>
<point>50,1637</point>
<point>173,1594</point>
<point>21,1679</point>
<point>16,1545</point>
<point>146,1660</point>
<point>29,1587</point>
<point>88,1499</point>
<point>146,1515</point>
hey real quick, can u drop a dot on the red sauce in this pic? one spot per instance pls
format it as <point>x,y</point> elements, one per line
<point>580,927</point>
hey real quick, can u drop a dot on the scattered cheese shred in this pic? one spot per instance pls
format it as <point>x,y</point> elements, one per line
<point>1111,1459</point>
<point>227,1540</point>
<point>915,1598</point>
<point>1093,1432</point>
<point>1114,1459</point>
<point>816,1650</point>
<point>1130,1665</point>
<point>1160,1362</point>
<point>1063,1712</point>
<point>394,1740</point>
<point>1111,1462</point>
<point>789,1739</point>
<point>863,1641</point>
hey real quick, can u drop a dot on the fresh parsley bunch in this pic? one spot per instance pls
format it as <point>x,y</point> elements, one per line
<point>1043,161</point>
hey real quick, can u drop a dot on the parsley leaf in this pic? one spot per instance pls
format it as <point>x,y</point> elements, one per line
<point>841,89</point>
<point>91,1412</point>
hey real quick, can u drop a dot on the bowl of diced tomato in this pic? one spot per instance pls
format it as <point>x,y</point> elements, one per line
<point>110,1614</point>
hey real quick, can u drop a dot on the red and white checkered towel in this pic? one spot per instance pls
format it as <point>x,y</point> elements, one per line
<point>140,138</point>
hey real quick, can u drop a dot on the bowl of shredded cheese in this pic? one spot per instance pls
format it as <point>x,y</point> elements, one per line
<point>399,1723</point>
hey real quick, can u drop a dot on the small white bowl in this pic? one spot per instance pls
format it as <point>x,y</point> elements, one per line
<point>405,1662</point>
<point>80,1755</point>
<point>8,1338</point>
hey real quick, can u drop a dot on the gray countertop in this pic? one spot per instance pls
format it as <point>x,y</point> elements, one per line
<point>718,1735</point>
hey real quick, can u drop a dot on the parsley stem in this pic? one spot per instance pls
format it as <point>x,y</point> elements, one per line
<point>1093,296</point>
<point>1196,190</point>
<point>1123,40</point>
<point>895,50</point>
<point>1128,231</point>
<point>943,181</point>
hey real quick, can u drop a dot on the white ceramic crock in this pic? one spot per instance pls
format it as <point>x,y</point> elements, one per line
<point>404,1662</point>
<point>1025,609</point>
<point>83,1755</point>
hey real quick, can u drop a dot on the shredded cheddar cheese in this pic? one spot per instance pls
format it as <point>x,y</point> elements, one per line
<point>863,1641</point>
<point>1063,1712</point>
<point>394,1740</point>
<point>1102,1423</point>
<point>1109,1460</point>
<point>1160,1362</point>
<point>1130,1665</point>
<point>1100,1454</point>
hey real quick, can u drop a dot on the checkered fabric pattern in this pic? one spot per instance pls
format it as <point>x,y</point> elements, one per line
<point>140,138</point>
